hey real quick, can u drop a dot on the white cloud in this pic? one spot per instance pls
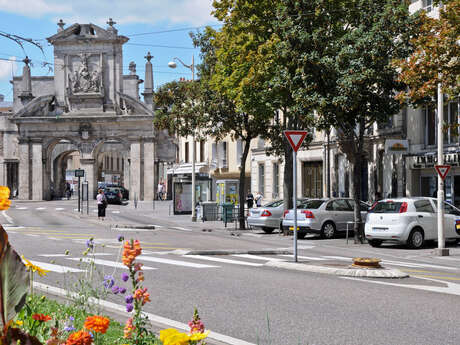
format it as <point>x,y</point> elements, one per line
<point>194,12</point>
<point>8,67</point>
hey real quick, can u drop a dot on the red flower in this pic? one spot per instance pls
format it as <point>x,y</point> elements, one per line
<point>41,317</point>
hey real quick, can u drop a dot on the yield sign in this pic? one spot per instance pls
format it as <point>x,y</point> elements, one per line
<point>295,138</point>
<point>442,170</point>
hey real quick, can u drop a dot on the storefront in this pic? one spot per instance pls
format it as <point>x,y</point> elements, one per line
<point>426,178</point>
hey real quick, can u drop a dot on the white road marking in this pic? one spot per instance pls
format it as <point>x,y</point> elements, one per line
<point>179,228</point>
<point>60,208</point>
<point>131,229</point>
<point>41,208</point>
<point>158,226</point>
<point>8,227</point>
<point>115,211</point>
<point>227,261</point>
<point>95,211</point>
<point>32,235</point>
<point>108,263</point>
<point>7,217</point>
<point>21,208</point>
<point>174,262</point>
<point>451,288</point>
<point>54,239</point>
<point>305,257</point>
<point>62,255</point>
<point>55,268</point>
<point>256,257</point>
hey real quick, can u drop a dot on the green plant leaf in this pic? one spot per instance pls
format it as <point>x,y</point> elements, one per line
<point>14,280</point>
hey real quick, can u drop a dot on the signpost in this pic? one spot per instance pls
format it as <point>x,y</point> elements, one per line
<point>79,173</point>
<point>442,170</point>
<point>295,138</point>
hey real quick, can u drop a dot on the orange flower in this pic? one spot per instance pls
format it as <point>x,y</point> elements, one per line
<point>129,327</point>
<point>131,250</point>
<point>97,323</point>
<point>142,295</point>
<point>79,338</point>
<point>41,317</point>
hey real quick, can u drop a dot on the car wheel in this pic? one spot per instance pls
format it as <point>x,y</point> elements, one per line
<point>375,243</point>
<point>416,239</point>
<point>328,230</point>
<point>301,235</point>
<point>267,230</point>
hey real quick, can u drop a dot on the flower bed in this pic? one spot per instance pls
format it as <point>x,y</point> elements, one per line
<point>33,320</point>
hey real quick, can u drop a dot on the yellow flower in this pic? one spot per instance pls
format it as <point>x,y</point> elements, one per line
<point>42,272</point>
<point>177,339</point>
<point>164,333</point>
<point>171,336</point>
<point>4,195</point>
<point>199,336</point>
<point>19,322</point>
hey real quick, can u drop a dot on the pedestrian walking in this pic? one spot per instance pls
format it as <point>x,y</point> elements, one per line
<point>160,189</point>
<point>258,199</point>
<point>67,190</point>
<point>101,204</point>
<point>250,200</point>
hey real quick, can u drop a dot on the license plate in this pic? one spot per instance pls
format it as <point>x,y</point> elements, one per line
<point>292,228</point>
<point>379,229</point>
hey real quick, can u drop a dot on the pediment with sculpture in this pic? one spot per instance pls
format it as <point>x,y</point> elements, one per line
<point>86,76</point>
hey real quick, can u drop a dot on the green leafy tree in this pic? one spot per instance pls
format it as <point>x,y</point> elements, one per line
<point>343,52</point>
<point>435,59</point>
<point>231,74</point>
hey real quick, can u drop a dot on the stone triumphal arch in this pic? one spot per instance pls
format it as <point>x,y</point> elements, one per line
<point>87,109</point>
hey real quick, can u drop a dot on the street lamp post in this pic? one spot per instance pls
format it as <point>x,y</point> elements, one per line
<point>172,64</point>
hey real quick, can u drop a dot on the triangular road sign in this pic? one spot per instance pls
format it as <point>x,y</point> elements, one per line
<point>295,138</point>
<point>442,170</point>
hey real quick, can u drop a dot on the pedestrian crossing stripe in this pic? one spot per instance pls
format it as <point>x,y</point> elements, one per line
<point>173,262</point>
<point>55,268</point>
<point>101,262</point>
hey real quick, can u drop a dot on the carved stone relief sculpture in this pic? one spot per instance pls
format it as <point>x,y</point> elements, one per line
<point>83,80</point>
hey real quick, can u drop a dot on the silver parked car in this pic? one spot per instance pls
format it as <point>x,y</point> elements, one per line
<point>268,217</point>
<point>323,216</point>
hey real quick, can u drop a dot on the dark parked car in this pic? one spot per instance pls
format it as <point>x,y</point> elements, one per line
<point>123,190</point>
<point>113,195</point>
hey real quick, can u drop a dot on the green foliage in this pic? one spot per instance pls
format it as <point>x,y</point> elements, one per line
<point>179,107</point>
<point>14,280</point>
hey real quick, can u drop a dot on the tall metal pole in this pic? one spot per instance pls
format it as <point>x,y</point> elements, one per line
<point>192,67</point>
<point>79,194</point>
<point>441,250</point>
<point>294,199</point>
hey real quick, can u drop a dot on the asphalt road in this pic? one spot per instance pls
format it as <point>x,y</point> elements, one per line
<point>237,295</point>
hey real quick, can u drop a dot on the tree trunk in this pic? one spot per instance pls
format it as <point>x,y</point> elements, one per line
<point>242,192</point>
<point>356,181</point>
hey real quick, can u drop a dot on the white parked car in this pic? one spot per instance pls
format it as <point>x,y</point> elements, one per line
<point>410,221</point>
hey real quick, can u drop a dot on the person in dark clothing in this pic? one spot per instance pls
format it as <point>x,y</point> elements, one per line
<point>67,190</point>
<point>250,200</point>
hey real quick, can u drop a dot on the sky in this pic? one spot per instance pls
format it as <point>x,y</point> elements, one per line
<point>159,26</point>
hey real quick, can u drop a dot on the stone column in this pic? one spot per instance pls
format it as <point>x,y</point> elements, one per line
<point>24,171</point>
<point>135,171</point>
<point>88,165</point>
<point>37,171</point>
<point>149,170</point>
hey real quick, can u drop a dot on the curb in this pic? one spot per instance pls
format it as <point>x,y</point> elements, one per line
<point>232,251</point>
<point>345,272</point>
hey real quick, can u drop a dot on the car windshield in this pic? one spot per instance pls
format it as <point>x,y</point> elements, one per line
<point>386,207</point>
<point>274,203</point>
<point>311,204</point>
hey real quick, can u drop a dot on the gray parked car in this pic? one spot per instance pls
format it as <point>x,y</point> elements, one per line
<point>323,216</point>
<point>268,217</point>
